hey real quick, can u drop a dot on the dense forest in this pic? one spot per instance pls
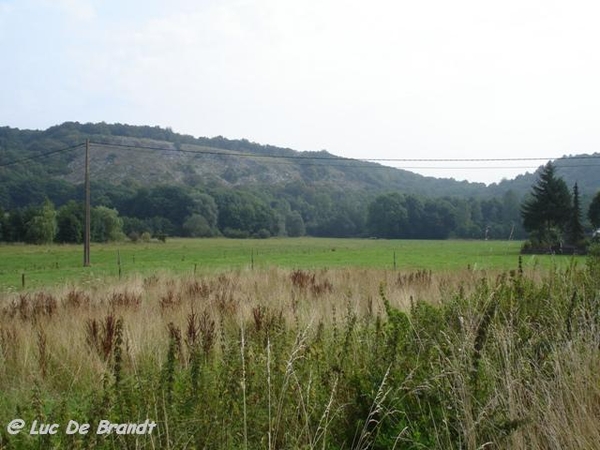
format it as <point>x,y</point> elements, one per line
<point>296,210</point>
<point>149,181</point>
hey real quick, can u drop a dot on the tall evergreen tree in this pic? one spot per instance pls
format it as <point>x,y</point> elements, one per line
<point>548,210</point>
<point>575,234</point>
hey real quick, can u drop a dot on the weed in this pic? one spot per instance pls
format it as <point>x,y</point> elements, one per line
<point>42,352</point>
<point>9,343</point>
<point>75,299</point>
<point>170,300</point>
<point>125,299</point>
<point>168,376</point>
<point>102,335</point>
<point>118,353</point>
<point>207,330</point>
<point>481,337</point>
<point>302,279</point>
<point>196,289</point>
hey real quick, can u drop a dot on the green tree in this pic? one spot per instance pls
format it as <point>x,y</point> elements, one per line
<point>70,218</point>
<point>294,224</point>
<point>16,224</point>
<point>387,216</point>
<point>197,226</point>
<point>416,211</point>
<point>170,202</point>
<point>439,219</point>
<point>594,211</point>
<point>2,225</point>
<point>511,215</point>
<point>106,225</point>
<point>547,211</point>
<point>205,205</point>
<point>243,212</point>
<point>41,229</point>
<point>133,226</point>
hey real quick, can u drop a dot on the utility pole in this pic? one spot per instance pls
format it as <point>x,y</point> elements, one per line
<point>86,232</point>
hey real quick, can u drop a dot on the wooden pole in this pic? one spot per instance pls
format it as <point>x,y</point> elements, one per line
<point>87,229</point>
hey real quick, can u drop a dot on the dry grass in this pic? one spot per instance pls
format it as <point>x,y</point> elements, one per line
<point>67,339</point>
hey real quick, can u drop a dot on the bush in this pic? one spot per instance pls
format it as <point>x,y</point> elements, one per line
<point>262,234</point>
<point>234,233</point>
<point>197,226</point>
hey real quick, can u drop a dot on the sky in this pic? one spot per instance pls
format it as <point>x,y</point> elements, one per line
<point>377,79</point>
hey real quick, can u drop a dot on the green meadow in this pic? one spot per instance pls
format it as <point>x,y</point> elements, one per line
<point>59,264</point>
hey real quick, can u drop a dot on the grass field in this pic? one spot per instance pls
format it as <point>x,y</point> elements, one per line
<point>320,345</point>
<point>59,264</point>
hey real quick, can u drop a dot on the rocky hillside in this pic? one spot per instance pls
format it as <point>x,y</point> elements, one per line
<point>147,156</point>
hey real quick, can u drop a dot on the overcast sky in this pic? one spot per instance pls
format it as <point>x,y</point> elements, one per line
<point>362,79</point>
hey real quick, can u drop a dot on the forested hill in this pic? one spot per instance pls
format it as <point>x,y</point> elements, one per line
<point>581,169</point>
<point>136,157</point>
<point>163,182</point>
<point>199,162</point>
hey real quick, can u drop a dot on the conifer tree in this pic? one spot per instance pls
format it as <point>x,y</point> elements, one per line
<point>547,212</point>
<point>576,235</point>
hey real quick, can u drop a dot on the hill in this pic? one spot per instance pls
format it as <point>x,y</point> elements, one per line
<point>220,186</point>
<point>581,169</point>
<point>152,155</point>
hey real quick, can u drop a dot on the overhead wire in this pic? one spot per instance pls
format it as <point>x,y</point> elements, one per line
<point>41,155</point>
<point>320,159</point>
<point>307,158</point>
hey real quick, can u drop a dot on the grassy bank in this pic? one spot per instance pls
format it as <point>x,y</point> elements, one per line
<point>348,357</point>
<point>60,264</point>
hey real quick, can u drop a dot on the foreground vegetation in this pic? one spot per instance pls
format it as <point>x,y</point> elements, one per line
<point>313,358</point>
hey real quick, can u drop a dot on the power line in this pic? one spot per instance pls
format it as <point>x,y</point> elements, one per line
<point>303,161</point>
<point>471,159</point>
<point>482,167</point>
<point>337,158</point>
<point>41,155</point>
<point>220,153</point>
<point>316,158</point>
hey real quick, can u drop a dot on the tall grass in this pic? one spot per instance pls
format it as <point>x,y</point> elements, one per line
<point>323,359</point>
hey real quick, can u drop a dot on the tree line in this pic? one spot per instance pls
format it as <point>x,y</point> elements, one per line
<point>298,209</point>
<point>550,216</point>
